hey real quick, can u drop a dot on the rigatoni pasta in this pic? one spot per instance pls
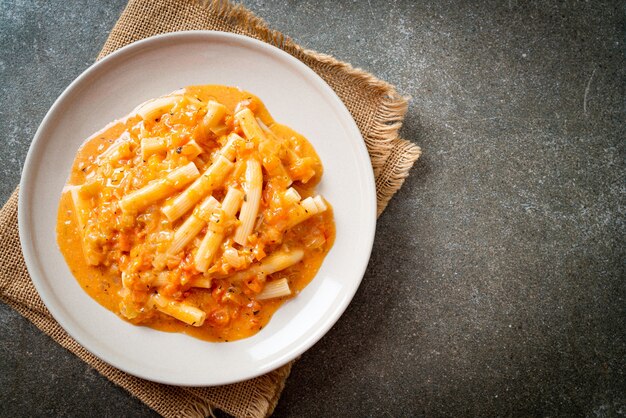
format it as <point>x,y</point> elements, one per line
<point>197,213</point>
<point>216,231</point>
<point>250,208</point>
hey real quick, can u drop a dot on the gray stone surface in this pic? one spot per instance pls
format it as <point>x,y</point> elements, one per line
<point>496,285</point>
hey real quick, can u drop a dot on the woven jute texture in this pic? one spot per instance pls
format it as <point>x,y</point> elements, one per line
<point>378,111</point>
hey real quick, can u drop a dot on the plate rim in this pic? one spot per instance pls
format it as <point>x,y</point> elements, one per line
<point>25,200</point>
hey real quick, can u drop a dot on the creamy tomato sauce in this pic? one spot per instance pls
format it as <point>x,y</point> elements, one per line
<point>121,254</point>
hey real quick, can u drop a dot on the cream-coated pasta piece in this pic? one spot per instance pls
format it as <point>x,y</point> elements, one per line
<point>307,208</point>
<point>291,196</point>
<point>119,150</point>
<point>192,225</point>
<point>250,126</point>
<point>214,116</point>
<point>201,282</point>
<point>320,203</point>
<point>277,261</point>
<point>309,205</point>
<point>215,232</point>
<point>182,311</point>
<point>253,187</point>
<point>207,249</point>
<point>153,109</point>
<point>275,289</point>
<point>212,178</point>
<point>159,189</point>
<point>191,150</point>
<point>151,146</point>
<point>229,150</point>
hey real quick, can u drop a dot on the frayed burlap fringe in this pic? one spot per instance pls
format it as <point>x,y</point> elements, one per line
<point>197,409</point>
<point>264,394</point>
<point>395,171</point>
<point>376,107</point>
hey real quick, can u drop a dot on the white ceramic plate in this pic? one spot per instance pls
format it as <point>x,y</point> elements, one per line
<point>296,97</point>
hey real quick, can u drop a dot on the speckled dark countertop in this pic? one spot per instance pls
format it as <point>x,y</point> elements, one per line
<point>496,284</point>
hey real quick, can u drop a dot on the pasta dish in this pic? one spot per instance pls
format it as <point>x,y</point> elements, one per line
<point>196,213</point>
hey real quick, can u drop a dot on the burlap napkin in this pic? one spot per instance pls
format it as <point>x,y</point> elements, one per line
<point>378,111</point>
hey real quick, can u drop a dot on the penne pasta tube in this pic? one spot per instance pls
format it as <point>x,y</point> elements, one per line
<point>278,261</point>
<point>320,203</point>
<point>151,146</point>
<point>310,206</point>
<point>250,208</point>
<point>215,234</point>
<point>191,150</point>
<point>207,249</point>
<point>211,179</point>
<point>119,149</point>
<point>275,289</point>
<point>214,116</point>
<point>159,189</point>
<point>229,150</point>
<point>250,126</point>
<point>192,225</point>
<point>182,311</point>
<point>160,279</point>
<point>292,196</point>
<point>201,282</point>
<point>153,109</point>
<point>300,168</point>
<point>231,202</point>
